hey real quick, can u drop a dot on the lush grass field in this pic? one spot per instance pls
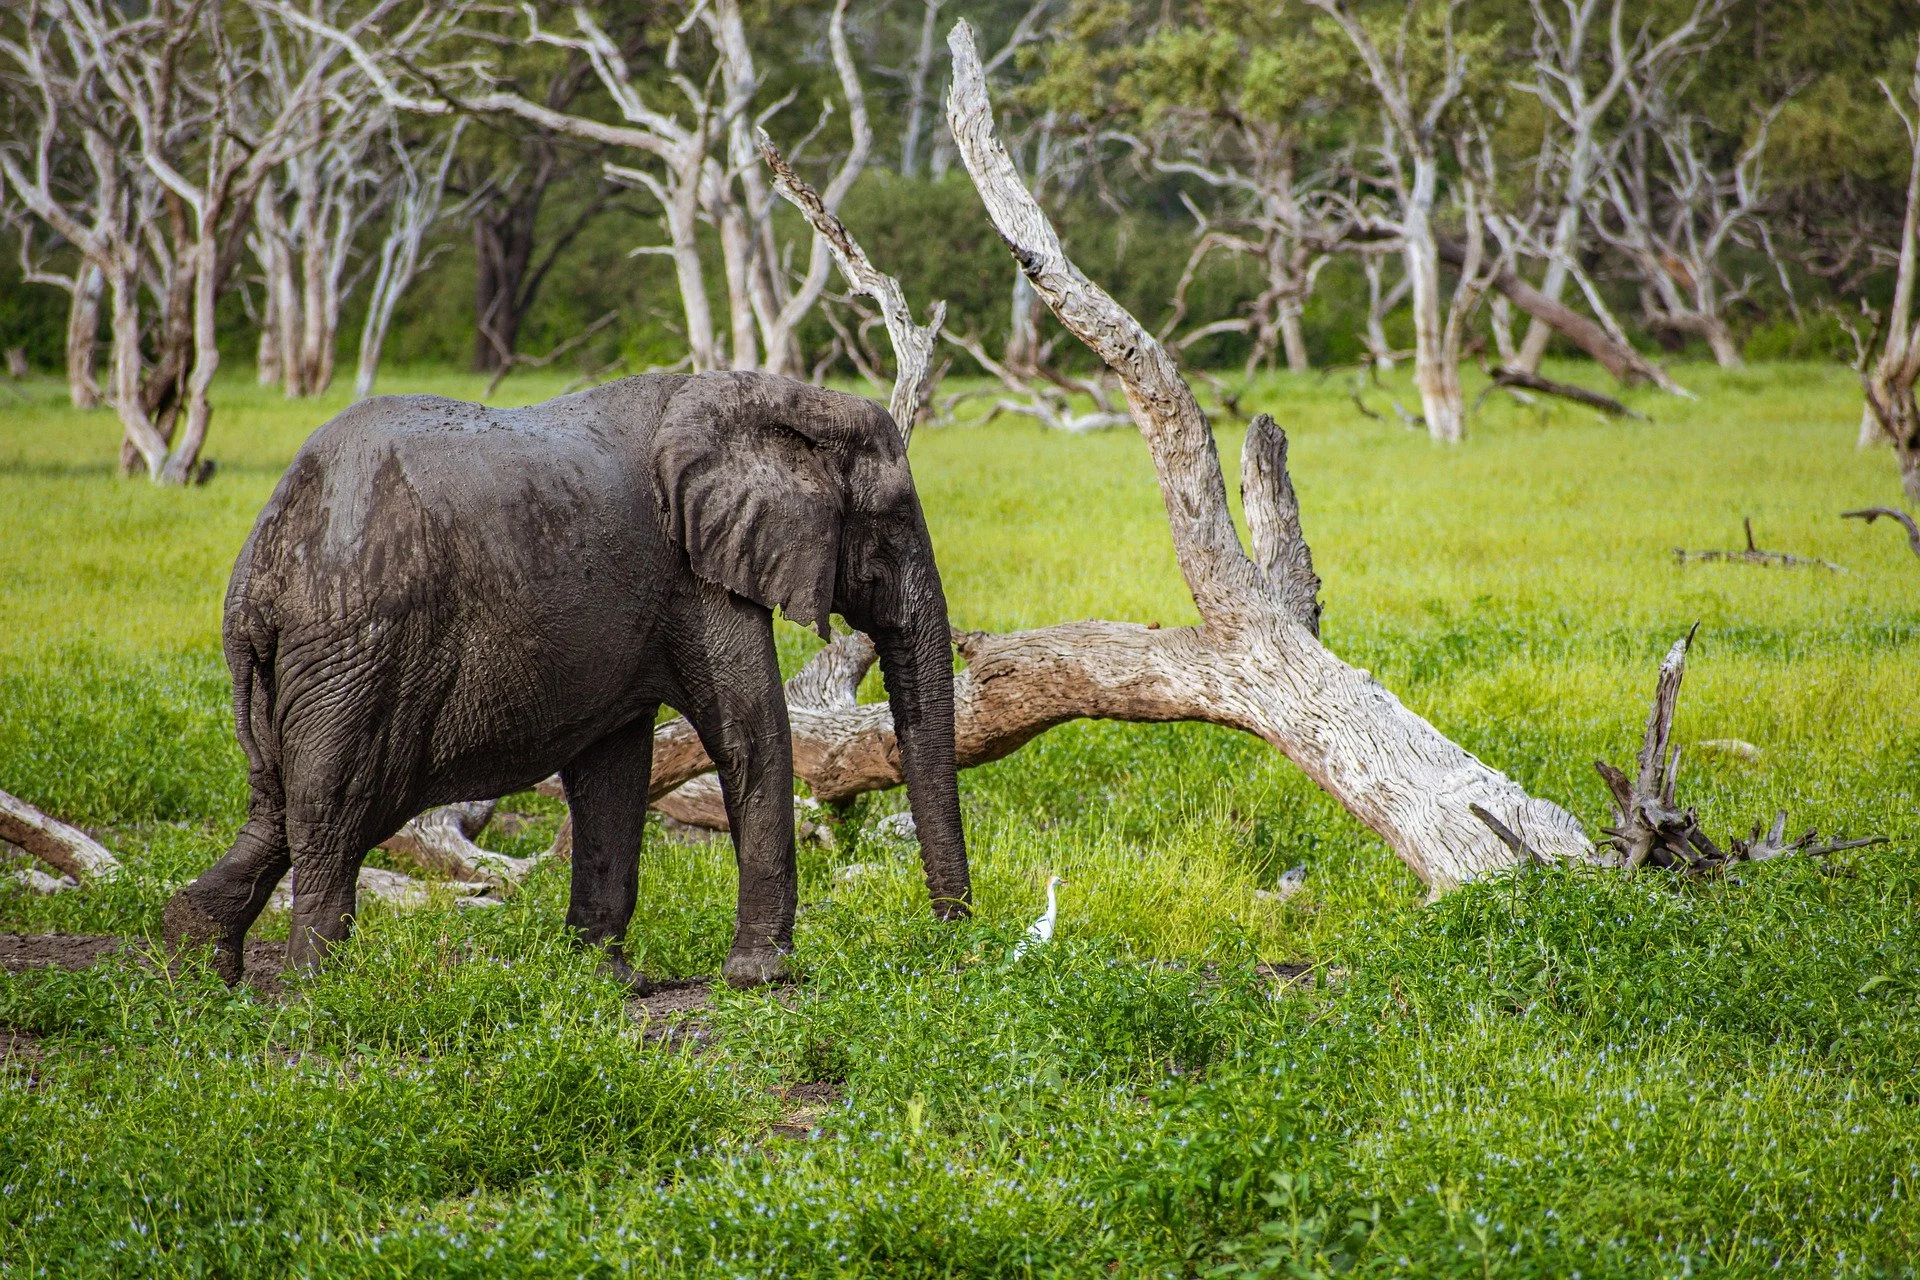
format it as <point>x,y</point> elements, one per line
<point>1566,1073</point>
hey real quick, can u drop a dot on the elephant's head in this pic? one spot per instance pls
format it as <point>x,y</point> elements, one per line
<point>795,496</point>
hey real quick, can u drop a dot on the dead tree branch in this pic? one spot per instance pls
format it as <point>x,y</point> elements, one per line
<point>1507,376</point>
<point>1870,514</point>
<point>1754,555</point>
<point>912,343</point>
<point>68,850</point>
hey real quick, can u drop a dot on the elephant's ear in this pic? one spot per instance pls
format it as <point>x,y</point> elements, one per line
<point>751,490</point>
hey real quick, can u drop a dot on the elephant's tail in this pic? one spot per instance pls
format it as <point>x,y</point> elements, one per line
<point>251,643</point>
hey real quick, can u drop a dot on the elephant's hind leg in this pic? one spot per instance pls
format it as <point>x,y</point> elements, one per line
<point>220,906</point>
<point>607,797</point>
<point>329,830</point>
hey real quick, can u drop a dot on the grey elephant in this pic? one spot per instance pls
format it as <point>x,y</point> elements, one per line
<point>444,601</point>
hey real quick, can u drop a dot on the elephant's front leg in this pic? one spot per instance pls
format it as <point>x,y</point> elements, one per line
<point>736,703</point>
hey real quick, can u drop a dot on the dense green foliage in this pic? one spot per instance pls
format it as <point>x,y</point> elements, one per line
<point>1562,1072</point>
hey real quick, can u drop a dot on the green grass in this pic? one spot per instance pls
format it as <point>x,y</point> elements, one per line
<point>1564,1072</point>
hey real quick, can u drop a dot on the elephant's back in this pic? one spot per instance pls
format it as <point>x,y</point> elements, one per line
<point>401,501</point>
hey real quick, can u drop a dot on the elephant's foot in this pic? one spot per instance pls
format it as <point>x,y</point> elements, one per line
<point>185,924</point>
<point>755,968</point>
<point>626,975</point>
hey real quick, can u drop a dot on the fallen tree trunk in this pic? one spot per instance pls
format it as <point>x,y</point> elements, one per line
<point>441,840</point>
<point>68,850</point>
<point>1254,663</point>
<point>1507,376</point>
<point>82,860</point>
<point>1622,361</point>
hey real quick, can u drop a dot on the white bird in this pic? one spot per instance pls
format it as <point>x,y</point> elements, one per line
<point>1041,930</point>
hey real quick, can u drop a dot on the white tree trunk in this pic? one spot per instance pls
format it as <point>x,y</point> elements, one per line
<point>1438,379</point>
<point>83,328</point>
<point>1566,231</point>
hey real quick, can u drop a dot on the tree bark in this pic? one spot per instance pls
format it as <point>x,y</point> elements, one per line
<point>68,850</point>
<point>1623,362</point>
<point>1441,400</point>
<point>503,242</point>
<point>83,333</point>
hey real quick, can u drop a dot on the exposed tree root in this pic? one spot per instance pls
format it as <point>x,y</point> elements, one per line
<point>1650,828</point>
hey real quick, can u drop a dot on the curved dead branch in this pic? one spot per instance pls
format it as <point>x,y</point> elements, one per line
<point>1870,514</point>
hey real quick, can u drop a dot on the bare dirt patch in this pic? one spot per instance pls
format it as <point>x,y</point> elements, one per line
<point>25,952</point>
<point>21,952</point>
<point>805,1103</point>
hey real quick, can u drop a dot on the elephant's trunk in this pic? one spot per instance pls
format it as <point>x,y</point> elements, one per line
<point>916,656</point>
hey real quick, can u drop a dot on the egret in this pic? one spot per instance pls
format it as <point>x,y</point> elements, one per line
<point>1041,930</point>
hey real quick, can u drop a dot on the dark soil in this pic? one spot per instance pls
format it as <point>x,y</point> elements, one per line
<point>805,1103</point>
<point>20,952</point>
<point>669,1015</point>
<point>23,952</point>
<point>19,1045</point>
<point>674,995</point>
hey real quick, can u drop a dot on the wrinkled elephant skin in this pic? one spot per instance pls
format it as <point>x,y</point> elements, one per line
<point>443,601</point>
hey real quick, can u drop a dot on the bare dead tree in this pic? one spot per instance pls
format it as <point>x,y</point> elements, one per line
<point>1666,201</point>
<point>1563,59</point>
<point>83,286</point>
<point>311,208</point>
<point>172,112</point>
<point>1270,211</point>
<point>416,206</point>
<point>1890,377</point>
<point>1382,299</point>
<point>698,160</point>
<point>915,126</point>
<point>1411,153</point>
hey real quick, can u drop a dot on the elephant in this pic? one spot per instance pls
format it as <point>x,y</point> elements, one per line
<point>443,601</point>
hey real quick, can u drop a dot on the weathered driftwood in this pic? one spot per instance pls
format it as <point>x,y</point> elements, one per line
<point>1649,826</point>
<point>82,860</point>
<point>1754,555</point>
<point>1870,514</point>
<point>401,892</point>
<point>441,840</point>
<point>68,850</point>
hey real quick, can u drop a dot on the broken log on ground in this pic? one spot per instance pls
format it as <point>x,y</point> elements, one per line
<point>1753,555</point>
<point>81,860</point>
<point>1504,378</point>
<point>67,849</point>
